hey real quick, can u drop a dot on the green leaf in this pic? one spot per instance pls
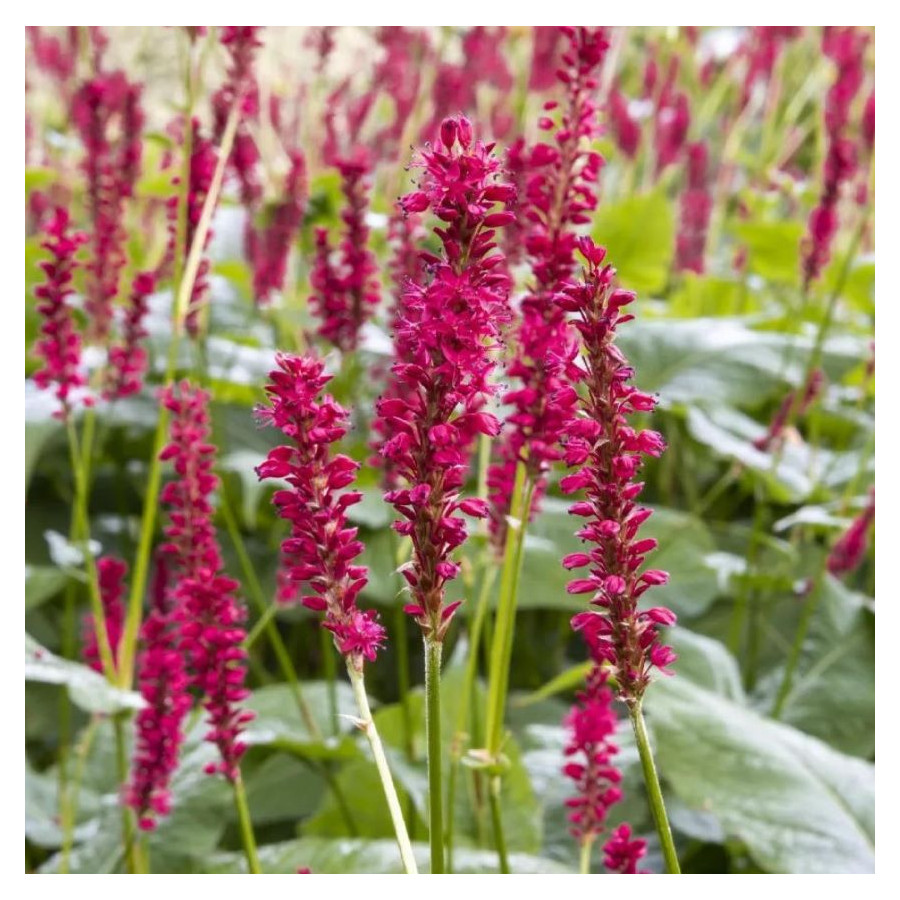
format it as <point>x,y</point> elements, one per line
<point>797,805</point>
<point>89,690</point>
<point>566,681</point>
<point>706,662</point>
<point>364,857</point>
<point>833,689</point>
<point>639,235</point>
<point>42,583</point>
<point>38,435</point>
<point>278,722</point>
<point>773,249</point>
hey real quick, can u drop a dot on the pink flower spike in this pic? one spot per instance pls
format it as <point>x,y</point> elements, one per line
<point>321,549</point>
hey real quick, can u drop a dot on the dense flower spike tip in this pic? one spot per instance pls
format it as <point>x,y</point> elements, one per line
<point>60,344</point>
<point>107,113</point>
<point>850,549</point>
<point>846,48</point>
<point>621,854</point>
<point>322,547</point>
<point>608,452</point>
<point>590,751</point>
<point>560,194</point>
<point>111,573</point>
<point>444,337</point>
<point>346,288</point>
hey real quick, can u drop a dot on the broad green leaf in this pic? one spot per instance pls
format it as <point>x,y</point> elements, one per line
<point>337,856</point>
<point>42,583</point>
<point>773,249</point>
<point>88,690</point>
<point>797,805</point>
<point>279,724</point>
<point>705,662</point>
<point>639,235</point>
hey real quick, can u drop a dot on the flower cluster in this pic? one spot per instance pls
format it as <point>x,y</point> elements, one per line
<point>608,452</point>
<point>444,342</point>
<point>107,113</point>
<point>696,207</point>
<point>159,734</point>
<point>621,854</point>
<point>846,47</point>
<point>592,725</point>
<point>321,549</point>
<point>672,116</point>
<point>201,171</point>
<point>269,247</point>
<point>110,578</point>
<point>560,194</point>
<point>761,49</point>
<point>850,549</point>
<point>346,292</point>
<point>60,343</point>
<point>194,637</point>
<point>128,359</point>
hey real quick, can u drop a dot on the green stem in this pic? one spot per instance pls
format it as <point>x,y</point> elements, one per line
<point>256,593</point>
<point>501,647</point>
<point>367,726</point>
<point>128,831</point>
<point>497,822</point>
<point>246,825</point>
<point>654,792</point>
<point>487,583</point>
<point>433,728</point>
<point>69,803</point>
<point>587,843</point>
<point>809,609</point>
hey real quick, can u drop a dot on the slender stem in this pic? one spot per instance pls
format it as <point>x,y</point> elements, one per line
<point>587,843</point>
<point>433,728</point>
<point>82,527</point>
<point>256,593</point>
<point>69,803</point>
<point>128,831</point>
<point>654,792</point>
<point>501,646</point>
<point>809,609</point>
<point>367,726</point>
<point>246,824</point>
<point>489,576</point>
<point>497,822</point>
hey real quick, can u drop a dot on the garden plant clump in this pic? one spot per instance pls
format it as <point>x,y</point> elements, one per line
<point>449,450</point>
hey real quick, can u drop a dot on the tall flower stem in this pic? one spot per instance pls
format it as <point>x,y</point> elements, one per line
<point>809,609</point>
<point>654,792</point>
<point>148,519</point>
<point>132,850</point>
<point>497,822</point>
<point>433,729</point>
<point>367,726</point>
<point>501,646</point>
<point>246,825</point>
<point>466,700</point>
<point>256,593</point>
<point>587,844</point>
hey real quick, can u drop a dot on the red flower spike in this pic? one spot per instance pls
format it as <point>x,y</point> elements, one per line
<point>616,631</point>
<point>447,327</point>
<point>322,548</point>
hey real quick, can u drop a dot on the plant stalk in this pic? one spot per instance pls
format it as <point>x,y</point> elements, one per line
<point>433,729</point>
<point>654,791</point>
<point>246,824</point>
<point>367,726</point>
